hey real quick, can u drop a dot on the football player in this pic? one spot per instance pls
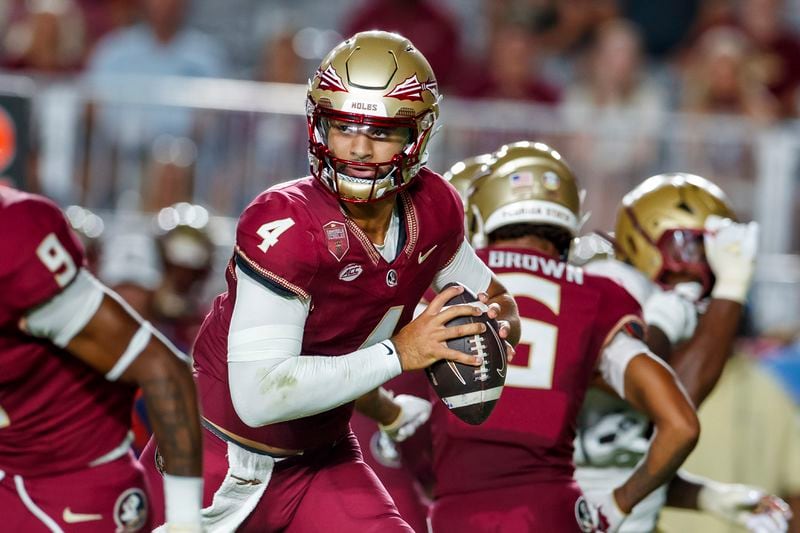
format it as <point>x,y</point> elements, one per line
<point>680,251</point>
<point>325,275</point>
<point>398,447</point>
<point>72,354</point>
<point>514,472</point>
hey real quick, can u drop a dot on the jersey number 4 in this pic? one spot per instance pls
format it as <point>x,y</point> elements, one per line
<point>271,231</point>
<point>540,337</point>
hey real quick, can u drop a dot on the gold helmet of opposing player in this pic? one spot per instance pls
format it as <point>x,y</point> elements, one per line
<point>660,226</point>
<point>527,183</point>
<point>380,81</point>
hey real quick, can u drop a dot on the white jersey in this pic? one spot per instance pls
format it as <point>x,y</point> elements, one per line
<point>612,437</point>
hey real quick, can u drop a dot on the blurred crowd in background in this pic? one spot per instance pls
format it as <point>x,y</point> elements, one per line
<point>731,56</point>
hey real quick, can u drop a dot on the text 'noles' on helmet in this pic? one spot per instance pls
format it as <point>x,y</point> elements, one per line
<point>379,81</point>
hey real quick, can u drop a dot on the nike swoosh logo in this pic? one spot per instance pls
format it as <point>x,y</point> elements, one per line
<point>389,351</point>
<point>75,518</point>
<point>422,257</point>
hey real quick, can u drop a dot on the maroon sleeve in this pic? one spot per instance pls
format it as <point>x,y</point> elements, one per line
<point>39,254</point>
<point>275,245</point>
<point>452,210</point>
<point>620,311</point>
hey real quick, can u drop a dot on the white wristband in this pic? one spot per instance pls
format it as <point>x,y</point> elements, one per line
<point>731,289</point>
<point>183,499</point>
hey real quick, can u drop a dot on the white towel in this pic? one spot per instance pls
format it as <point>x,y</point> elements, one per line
<point>247,478</point>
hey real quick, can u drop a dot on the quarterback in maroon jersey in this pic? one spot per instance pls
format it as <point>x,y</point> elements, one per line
<point>325,276</point>
<point>514,472</point>
<point>65,341</point>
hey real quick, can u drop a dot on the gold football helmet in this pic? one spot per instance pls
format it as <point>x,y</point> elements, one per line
<point>527,183</point>
<point>660,225</point>
<point>462,174</point>
<point>375,80</point>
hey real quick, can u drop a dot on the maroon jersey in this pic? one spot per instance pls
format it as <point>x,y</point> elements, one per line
<point>295,238</point>
<point>56,413</point>
<point>567,317</point>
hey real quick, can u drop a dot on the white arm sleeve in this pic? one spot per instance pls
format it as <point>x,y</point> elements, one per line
<point>616,356</point>
<point>467,269</point>
<point>67,313</point>
<point>271,382</point>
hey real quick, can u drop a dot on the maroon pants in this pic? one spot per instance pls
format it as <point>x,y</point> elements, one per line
<point>403,487</point>
<point>519,509</point>
<point>330,490</point>
<point>109,497</point>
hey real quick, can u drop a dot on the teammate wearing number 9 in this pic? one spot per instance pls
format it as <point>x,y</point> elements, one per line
<point>515,472</point>
<point>72,353</point>
<point>322,285</point>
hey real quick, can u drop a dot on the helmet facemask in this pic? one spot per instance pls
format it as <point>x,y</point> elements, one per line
<point>366,181</point>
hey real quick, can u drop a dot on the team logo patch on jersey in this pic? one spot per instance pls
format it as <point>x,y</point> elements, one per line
<point>411,89</point>
<point>338,242</point>
<point>130,511</point>
<point>391,278</point>
<point>583,515</point>
<point>351,272</point>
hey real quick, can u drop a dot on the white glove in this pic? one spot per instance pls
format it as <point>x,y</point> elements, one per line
<point>731,251</point>
<point>745,505</point>
<point>183,501</point>
<point>414,412</point>
<point>671,313</point>
<point>606,515</point>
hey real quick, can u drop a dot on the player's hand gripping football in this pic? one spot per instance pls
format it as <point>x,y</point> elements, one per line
<point>730,249</point>
<point>493,311</point>
<point>746,506</point>
<point>422,342</point>
<point>414,412</point>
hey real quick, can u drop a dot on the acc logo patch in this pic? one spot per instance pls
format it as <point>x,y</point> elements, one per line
<point>338,242</point>
<point>351,272</point>
<point>130,511</point>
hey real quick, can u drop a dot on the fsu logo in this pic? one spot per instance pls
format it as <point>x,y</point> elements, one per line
<point>583,515</point>
<point>329,80</point>
<point>411,89</point>
<point>130,511</point>
<point>391,278</point>
<point>338,242</point>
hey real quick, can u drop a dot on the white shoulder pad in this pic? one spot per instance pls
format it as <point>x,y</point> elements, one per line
<point>637,284</point>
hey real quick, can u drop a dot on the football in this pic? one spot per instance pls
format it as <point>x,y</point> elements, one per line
<point>471,392</point>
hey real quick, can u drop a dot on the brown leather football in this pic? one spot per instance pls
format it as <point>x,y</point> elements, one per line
<point>471,392</point>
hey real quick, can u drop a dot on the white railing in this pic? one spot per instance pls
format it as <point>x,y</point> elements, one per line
<point>141,144</point>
